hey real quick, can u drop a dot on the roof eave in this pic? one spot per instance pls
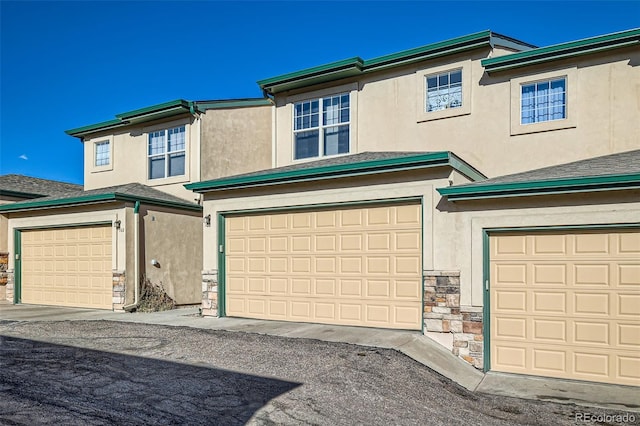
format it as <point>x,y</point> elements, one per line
<point>420,161</point>
<point>92,199</point>
<point>562,51</point>
<point>545,187</point>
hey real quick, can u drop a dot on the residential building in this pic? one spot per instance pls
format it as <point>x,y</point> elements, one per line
<point>482,190</point>
<point>133,220</point>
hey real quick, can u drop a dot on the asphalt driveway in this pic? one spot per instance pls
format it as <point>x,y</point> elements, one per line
<point>103,372</point>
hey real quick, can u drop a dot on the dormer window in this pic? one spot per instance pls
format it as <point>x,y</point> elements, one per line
<point>321,127</point>
<point>167,153</point>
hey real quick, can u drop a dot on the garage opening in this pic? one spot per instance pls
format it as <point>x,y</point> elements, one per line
<point>358,266</point>
<point>68,266</point>
<point>567,304</point>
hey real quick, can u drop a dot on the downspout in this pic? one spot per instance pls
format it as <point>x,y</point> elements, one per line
<point>136,259</point>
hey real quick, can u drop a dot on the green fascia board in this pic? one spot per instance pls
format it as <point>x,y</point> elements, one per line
<point>17,194</point>
<point>153,109</point>
<point>332,67</point>
<point>542,187</point>
<point>563,50</point>
<point>90,199</point>
<point>232,103</point>
<point>443,158</point>
<point>356,66</point>
<point>105,125</point>
<point>472,40</point>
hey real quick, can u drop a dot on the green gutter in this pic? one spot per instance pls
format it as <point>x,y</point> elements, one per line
<point>563,50</point>
<point>178,104</point>
<point>357,66</point>
<point>542,187</point>
<point>17,194</point>
<point>105,125</point>
<point>409,162</point>
<point>97,198</point>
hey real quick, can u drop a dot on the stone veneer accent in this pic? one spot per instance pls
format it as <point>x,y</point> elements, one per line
<point>4,263</point>
<point>443,314</point>
<point>10,284</point>
<point>210,293</point>
<point>119,289</point>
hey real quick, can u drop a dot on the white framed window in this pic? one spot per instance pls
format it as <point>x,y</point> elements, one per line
<point>321,126</point>
<point>102,154</point>
<point>444,90</point>
<point>166,153</point>
<point>543,101</point>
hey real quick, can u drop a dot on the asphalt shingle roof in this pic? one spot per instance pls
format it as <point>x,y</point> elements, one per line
<point>615,164</point>
<point>132,189</point>
<point>333,161</point>
<point>36,186</point>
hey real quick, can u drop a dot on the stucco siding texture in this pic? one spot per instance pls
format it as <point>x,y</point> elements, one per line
<point>173,240</point>
<point>235,141</point>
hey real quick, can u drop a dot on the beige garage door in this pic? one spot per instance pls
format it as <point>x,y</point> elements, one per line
<point>567,305</point>
<point>67,267</point>
<point>355,266</point>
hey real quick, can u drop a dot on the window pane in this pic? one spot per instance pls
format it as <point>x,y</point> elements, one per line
<point>456,77</point>
<point>156,167</point>
<point>102,154</point>
<point>156,142</point>
<point>306,144</point>
<point>176,139</point>
<point>336,140</point>
<point>432,82</point>
<point>176,164</point>
<point>344,100</point>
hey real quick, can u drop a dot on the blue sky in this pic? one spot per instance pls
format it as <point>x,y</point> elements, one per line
<point>69,64</point>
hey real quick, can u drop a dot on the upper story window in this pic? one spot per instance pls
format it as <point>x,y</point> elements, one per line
<point>321,127</point>
<point>543,101</point>
<point>102,154</point>
<point>167,153</point>
<point>444,90</point>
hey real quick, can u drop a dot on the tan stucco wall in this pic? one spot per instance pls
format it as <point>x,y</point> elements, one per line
<point>3,234</point>
<point>235,141</point>
<point>459,226</point>
<point>386,115</point>
<point>129,160</point>
<point>173,238</point>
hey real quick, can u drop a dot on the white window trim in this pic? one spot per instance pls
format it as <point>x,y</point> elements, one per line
<point>352,90</point>
<point>421,84</point>
<point>94,152</point>
<point>188,128</point>
<point>571,108</point>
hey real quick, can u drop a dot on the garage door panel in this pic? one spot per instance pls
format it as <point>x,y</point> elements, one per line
<point>67,267</point>
<point>567,305</point>
<point>357,266</point>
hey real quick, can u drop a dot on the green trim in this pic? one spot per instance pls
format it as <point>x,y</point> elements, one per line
<point>105,125</point>
<point>357,66</point>
<point>422,329</point>
<point>17,194</point>
<point>17,270</point>
<point>136,207</point>
<point>542,187</point>
<point>486,301</point>
<point>222,296</point>
<point>232,103</point>
<point>563,50</point>
<point>179,104</point>
<point>409,162</point>
<point>304,207</point>
<point>97,198</point>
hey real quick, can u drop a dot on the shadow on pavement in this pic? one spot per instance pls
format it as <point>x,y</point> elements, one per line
<point>44,383</point>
